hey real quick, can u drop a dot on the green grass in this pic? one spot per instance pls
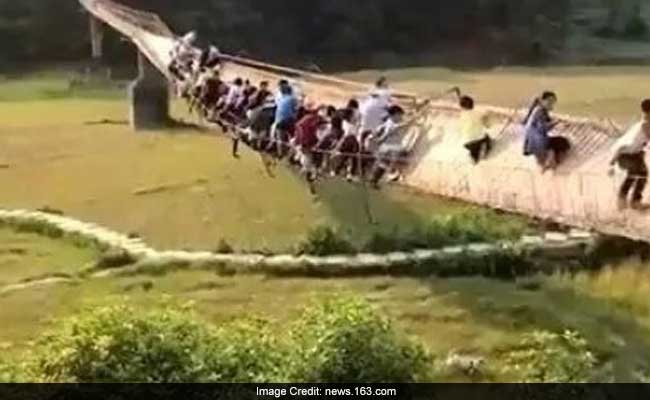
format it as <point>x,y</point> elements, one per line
<point>471,315</point>
<point>26,255</point>
<point>199,194</point>
<point>93,171</point>
<point>52,86</point>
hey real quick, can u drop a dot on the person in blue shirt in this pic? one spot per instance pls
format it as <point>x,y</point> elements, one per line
<point>285,119</point>
<point>548,150</point>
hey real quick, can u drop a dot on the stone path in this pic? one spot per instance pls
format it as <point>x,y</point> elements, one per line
<point>136,248</point>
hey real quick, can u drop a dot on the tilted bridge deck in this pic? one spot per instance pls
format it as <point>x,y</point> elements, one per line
<point>580,193</point>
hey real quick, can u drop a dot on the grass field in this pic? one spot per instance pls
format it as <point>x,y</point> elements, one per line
<point>182,190</point>
<point>28,256</point>
<point>195,194</point>
<point>177,189</point>
<point>474,316</point>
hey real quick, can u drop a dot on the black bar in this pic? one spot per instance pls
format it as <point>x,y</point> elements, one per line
<point>319,391</point>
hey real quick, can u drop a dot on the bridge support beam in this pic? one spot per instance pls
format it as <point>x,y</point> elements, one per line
<point>149,97</point>
<point>97,40</point>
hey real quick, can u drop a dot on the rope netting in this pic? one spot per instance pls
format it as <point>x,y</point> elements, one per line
<point>580,193</point>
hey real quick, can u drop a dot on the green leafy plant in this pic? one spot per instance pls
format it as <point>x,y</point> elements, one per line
<point>248,350</point>
<point>114,258</point>
<point>346,340</point>
<point>122,344</point>
<point>12,372</point>
<point>325,241</point>
<point>550,357</point>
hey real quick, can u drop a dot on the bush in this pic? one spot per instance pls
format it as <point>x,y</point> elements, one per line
<point>11,373</point>
<point>460,229</point>
<point>346,340</point>
<point>382,243</point>
<point>120,344</point>
<point>324,241</point>
<point>248,351</point>
<point>114,258</point>
<point>545,357</point>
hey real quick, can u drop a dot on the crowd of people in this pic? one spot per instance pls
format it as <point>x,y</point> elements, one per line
<point>365,140</point>
<point>362,141</point>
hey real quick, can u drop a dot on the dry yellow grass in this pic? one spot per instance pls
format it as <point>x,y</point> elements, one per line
<point>612,92</point>
<point>176,188</point>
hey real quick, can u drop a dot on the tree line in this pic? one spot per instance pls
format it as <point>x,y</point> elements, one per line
<point>329,31</point>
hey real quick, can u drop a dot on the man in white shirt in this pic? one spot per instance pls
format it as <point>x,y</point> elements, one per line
<point>630,156</point>
<point>386,142</point>
<point>389,142</point>
<point>184,47</point>
<point>235,94</point>
<point>373,113</point>
<point>382,90</point>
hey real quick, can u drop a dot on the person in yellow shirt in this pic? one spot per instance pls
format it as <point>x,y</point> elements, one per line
<point>474,130</point>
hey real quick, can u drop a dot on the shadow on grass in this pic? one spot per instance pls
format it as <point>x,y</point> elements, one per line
<point>620,342</point>
<point>361,211</point>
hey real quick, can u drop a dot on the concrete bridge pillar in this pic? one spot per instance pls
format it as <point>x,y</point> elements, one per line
<point>97,39</point>
<point>149,97</point>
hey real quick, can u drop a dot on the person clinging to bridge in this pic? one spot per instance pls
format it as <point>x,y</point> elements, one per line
<point>331,136</point>
<point>629,155</point>
<point>285,118</point>
<point>548,150</point>
<point>383,92</point>
<point>210,58</point>
<point>261,97</point>
<point>212,89</point>
<point>474,127</point>
<point>306,139</point>
<point>373,112</point>
<point>388,145</point>
<point>183,53</point>
<point>231,101</point>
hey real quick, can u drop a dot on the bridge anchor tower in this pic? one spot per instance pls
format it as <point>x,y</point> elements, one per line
<point>149,97</point>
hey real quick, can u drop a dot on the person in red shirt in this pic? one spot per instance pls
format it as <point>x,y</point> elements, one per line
<point>306,139</point>
<point>328,142</point>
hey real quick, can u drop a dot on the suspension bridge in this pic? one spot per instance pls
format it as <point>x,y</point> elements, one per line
<point>580,193</point>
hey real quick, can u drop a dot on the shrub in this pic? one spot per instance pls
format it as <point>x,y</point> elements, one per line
<point>324,241</point>
<point>120,344</point>
<point>11,373</point>
<point>248,351</point>
<point>472,228</point>
<point>114,258</point>
<point>346,340</point>
<point>554,358</point>
<point>382,243</point>
<point>459,229</point>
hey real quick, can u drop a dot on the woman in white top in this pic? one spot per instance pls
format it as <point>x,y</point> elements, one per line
<point>630,156</point>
